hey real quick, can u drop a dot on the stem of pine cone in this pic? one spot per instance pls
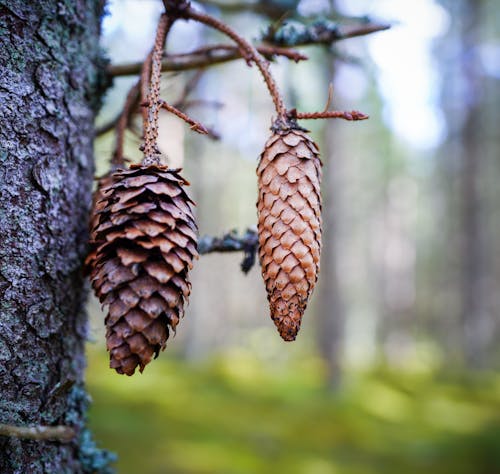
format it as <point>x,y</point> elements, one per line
<point>150,148</point>
<point>248,51</point>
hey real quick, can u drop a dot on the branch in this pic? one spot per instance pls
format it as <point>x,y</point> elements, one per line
<point>123,121</point>
<point>353,115</point>
<point>231,242</point>
<point>203,57</point>
<point>247,50</point>
<point>40,433</point>
<point>195,125</point>
<point>294,33</point>
<point>150,148</point>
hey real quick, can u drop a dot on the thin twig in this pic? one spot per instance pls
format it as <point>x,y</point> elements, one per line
<point>353,115</point>
<point>249,52</point>
<point>269,52</point>
<point>150,149</point>
<point>195,125</point>
<point>354,31</point>
<point>231,242</point>
<point>203,57</point>
<point>40,433</point>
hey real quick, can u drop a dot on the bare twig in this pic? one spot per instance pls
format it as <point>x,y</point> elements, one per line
<point>249,52</point>
<point>150,149</point>
<point>361,30</point>
<point>204,57</point>
<point>40,433</point>
<point>269,52</point>
<point>231,242</point>
<point>353,115</point>
<point>195,125</point>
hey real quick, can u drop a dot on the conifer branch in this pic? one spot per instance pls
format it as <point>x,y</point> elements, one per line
<point>232,242</point>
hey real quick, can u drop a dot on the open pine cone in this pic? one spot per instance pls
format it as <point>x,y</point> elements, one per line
<point>144,241</point>
<point>289,225</point>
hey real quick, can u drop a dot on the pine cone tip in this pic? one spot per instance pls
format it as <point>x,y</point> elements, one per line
<point>287,317</point>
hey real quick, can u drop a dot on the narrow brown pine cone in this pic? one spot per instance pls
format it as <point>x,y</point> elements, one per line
<point>145,241</point>
<point>289,225</point>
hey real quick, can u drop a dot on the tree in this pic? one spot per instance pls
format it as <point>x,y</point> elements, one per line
<point>51,81</point>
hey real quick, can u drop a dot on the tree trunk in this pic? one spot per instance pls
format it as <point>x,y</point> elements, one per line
<point>330,311</point>
<point>465,108</point>
<point>50,84</point>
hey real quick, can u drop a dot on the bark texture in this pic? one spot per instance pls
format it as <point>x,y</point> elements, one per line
<point>50,81</point>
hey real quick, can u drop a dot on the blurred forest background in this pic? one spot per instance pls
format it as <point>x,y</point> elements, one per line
<point>396,365</point>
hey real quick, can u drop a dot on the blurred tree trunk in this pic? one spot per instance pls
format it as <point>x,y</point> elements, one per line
<point>473,268</point>
<point>464,109</point>
<point>50,83</point>
<point>330,323</point>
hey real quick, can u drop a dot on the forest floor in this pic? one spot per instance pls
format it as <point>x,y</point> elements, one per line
<point>235,415</point>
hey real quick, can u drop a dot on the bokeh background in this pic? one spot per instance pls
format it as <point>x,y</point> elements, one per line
<point>396,365</point>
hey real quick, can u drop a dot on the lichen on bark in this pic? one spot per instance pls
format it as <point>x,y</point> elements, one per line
<point>51,79</point>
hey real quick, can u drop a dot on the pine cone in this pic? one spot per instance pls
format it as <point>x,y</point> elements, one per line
<point>289,225</point>
<point>144,240</point>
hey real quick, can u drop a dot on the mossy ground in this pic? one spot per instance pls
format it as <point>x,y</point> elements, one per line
<point>234,415</point>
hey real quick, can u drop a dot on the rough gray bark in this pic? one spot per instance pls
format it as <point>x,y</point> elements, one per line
<point>50,81</point>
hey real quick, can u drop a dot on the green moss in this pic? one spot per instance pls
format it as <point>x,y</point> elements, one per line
<point>239,416</point>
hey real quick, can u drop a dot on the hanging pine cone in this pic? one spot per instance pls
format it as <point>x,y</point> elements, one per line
<point>144,240</point>
<point>289,225</point>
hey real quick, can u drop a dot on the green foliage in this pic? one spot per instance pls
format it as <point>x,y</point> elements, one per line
<point>236,416</point>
